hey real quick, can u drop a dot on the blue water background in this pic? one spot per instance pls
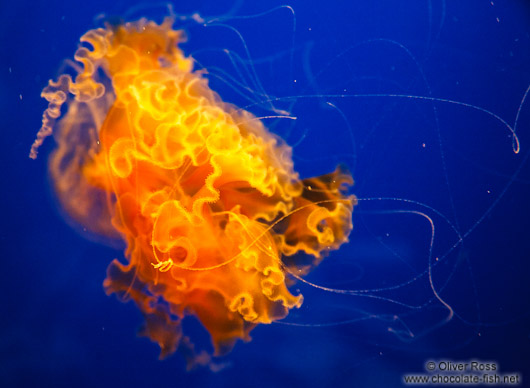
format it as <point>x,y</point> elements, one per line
<point>353,73</point>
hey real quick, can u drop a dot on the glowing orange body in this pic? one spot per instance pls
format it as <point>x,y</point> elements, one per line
<point>206,199</point>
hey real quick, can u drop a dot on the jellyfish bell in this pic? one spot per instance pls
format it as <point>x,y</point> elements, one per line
<point>204,196</point>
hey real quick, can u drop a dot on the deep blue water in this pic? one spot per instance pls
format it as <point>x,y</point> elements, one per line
<point>418,99</point>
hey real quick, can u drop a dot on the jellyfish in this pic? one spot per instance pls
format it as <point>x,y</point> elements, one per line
<point>216,222</point>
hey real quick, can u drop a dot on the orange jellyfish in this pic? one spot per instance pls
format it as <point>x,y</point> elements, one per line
<point>206,199</point>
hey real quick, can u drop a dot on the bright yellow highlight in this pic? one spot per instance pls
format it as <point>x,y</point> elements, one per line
<point>206,199</point>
